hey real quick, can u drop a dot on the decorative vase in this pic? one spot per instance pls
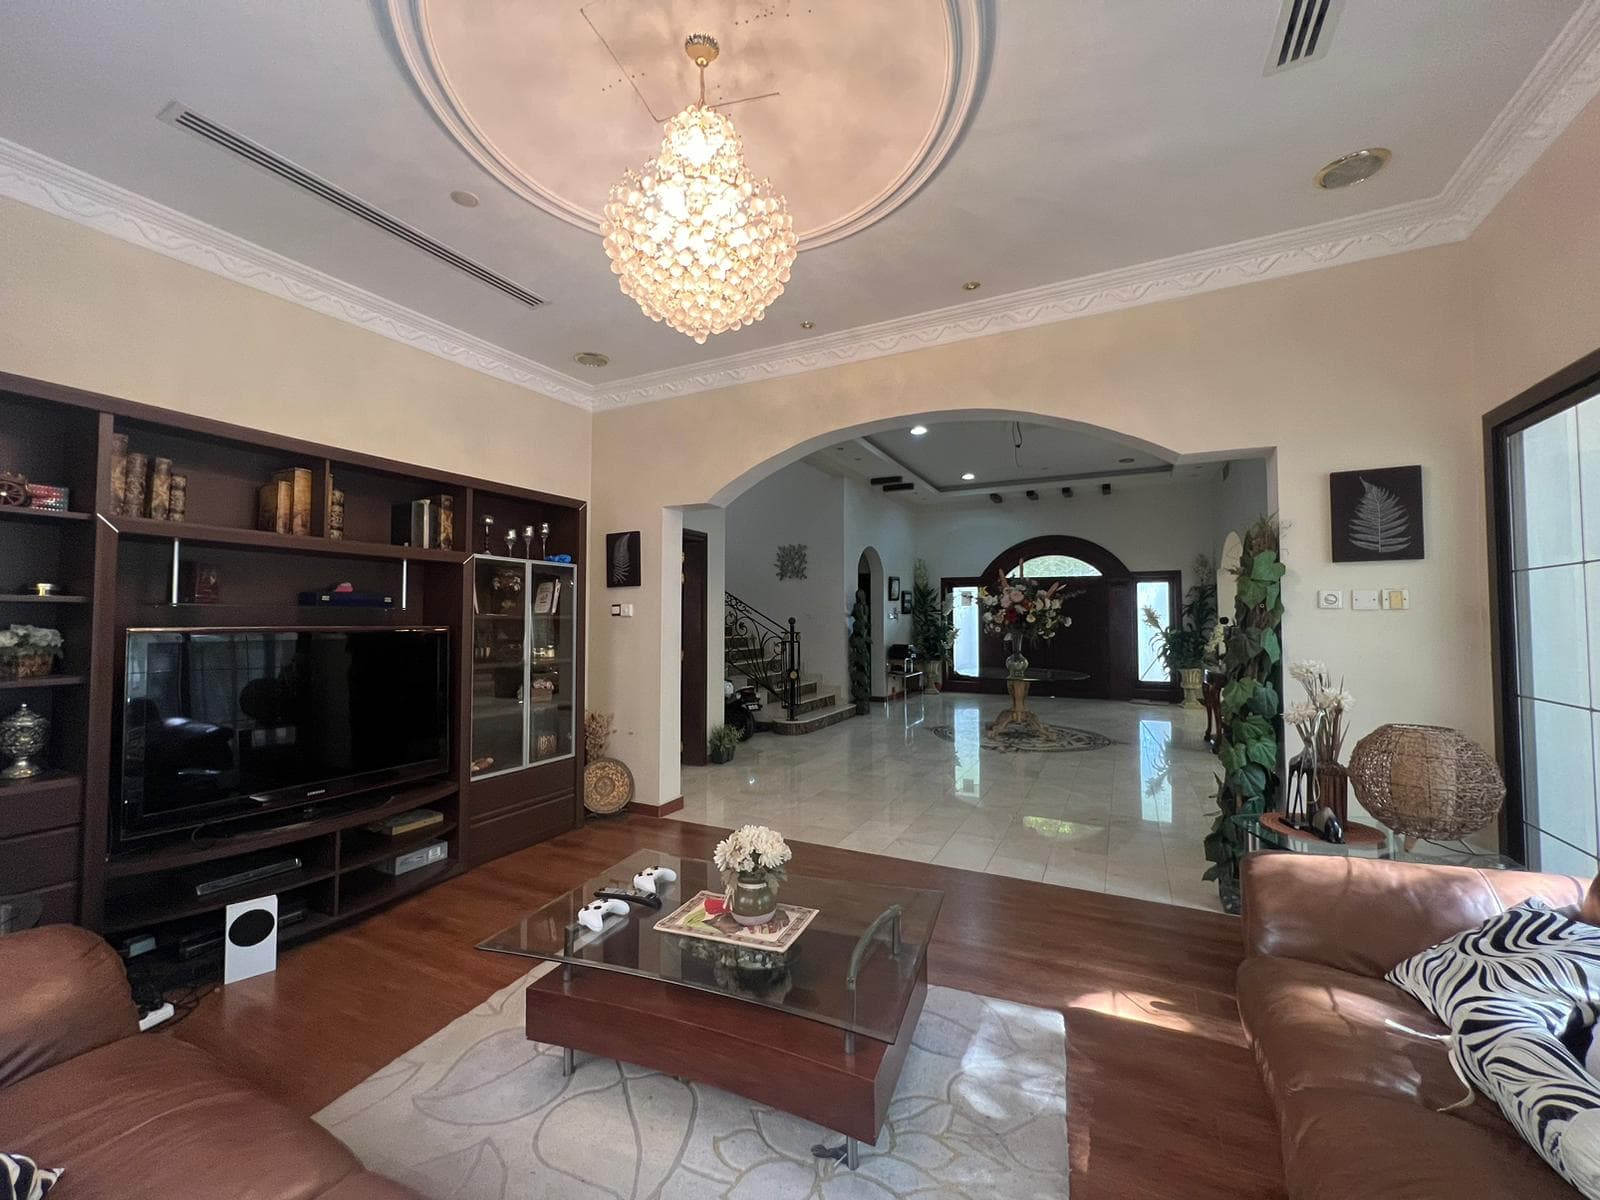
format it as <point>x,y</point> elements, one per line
<point>1333,790</point>
<point>755,898</point>
<point>1016,664</point>
<point>22,735</point>
<point>1190,678</point>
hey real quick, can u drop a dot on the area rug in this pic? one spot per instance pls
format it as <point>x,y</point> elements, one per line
<point>1017,739</point>
<point>477,1112</point>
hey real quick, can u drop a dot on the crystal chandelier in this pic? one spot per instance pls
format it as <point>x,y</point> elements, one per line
<point>696,241</point>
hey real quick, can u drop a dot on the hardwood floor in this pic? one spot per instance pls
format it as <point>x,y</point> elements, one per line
<point>1164,1101</point>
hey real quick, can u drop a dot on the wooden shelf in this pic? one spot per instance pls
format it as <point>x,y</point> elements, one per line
<point>392,846</point>
<point>41,681</point>
<point>289,543</point>
<point>12,512</point>
<point>187,854</point>
<point>360,892</point>
<point>40,785</point>
<point>173,905</point>
<point>30,598</point>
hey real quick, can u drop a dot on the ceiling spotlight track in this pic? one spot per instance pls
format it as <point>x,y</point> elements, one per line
<point>693,237</point>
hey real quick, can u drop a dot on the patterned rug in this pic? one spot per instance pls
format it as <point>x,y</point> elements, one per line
<point>477,1112</point>
<point>1018,740</point>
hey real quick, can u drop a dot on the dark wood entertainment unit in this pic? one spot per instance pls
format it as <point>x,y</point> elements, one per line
<point>115,572</point>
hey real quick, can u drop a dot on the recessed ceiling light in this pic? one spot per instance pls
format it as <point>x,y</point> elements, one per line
<point>918,430</point>
<point>1124,460</point>
<point>971,285</point>
<point>590,358</point>
<point>808,324</point>
<point>465,199</point>
<point>1353,168</point>
<point>969,477</point>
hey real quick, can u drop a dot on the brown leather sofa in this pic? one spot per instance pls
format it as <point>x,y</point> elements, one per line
<point>1360,1103</point>
<point>136,1116</point>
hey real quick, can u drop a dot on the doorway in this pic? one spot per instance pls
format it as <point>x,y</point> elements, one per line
<point>693,647</point>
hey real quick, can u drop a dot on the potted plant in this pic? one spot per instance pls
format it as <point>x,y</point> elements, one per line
<point>859,655</point>
<point>933,632</point>
<point>751,860</point>
<point>721,743</point>
<point>1182,647</point>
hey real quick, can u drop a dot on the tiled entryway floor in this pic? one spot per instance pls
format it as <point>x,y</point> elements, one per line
<point>1128,818</point>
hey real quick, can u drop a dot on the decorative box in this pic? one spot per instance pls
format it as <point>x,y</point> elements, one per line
<point>26,662</point>
<point>49,497</point>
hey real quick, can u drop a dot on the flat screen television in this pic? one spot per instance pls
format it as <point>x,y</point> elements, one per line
<point>220,723</point>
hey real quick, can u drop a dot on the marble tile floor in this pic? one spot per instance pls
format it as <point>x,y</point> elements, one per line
<point>1128,818</point>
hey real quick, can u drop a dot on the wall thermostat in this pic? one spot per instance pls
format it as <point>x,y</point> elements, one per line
<point>1330,599</point>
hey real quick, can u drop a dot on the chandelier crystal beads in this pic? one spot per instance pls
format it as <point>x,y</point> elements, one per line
<point>695,239</point>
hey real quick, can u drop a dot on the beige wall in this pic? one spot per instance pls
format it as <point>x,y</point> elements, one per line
<point>1365,365</point>
<point>82,308</point>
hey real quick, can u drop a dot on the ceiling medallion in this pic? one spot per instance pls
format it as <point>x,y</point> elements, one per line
<point>694,238</point>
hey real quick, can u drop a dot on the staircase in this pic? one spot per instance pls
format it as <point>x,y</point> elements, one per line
<point>766,653</point>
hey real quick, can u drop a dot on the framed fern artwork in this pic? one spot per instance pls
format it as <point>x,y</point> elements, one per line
<point>1377,514</point>
<point>622,560</point>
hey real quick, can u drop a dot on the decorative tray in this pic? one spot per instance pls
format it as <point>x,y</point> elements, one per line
<point>777,935</point>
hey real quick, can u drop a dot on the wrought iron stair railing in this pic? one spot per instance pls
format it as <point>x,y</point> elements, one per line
<point>764,650</point>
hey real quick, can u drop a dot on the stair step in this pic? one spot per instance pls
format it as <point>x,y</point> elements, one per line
<point>814,701</point>
<point>810,722</point>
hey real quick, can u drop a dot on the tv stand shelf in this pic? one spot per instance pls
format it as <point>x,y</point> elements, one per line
<point>215,569</point>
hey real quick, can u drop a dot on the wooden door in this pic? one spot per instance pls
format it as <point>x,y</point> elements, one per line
<point>693,674</point>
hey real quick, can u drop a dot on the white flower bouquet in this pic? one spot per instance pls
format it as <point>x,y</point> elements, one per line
<point>750,850</point>
<point>28,651</point>
<point>1320,717</point>
<point>1020,609</point>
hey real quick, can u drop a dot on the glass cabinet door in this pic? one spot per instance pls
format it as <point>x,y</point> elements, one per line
<point>499,665</point>
<point>553,614</point>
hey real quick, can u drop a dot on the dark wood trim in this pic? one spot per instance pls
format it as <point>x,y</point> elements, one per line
<point>1566,388</point>
<point>654,810</point>
<point>694,645</point>
<point>797,1065</point>
<point>1096,555</point>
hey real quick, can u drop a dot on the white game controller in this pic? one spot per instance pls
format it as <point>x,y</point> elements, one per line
<point>647,879</point>
<point>592,916</point>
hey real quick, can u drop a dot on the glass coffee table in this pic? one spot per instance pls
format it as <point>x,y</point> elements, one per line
<point>820,1031</point>
<point>1259,835</point>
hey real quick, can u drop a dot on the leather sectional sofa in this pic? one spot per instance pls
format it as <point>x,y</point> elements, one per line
<point>136,1116</point>
<point>1360,1097</point>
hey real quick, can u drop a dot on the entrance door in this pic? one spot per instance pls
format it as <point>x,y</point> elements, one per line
<point>694,645</point>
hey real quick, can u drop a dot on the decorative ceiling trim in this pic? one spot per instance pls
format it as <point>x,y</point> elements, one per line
<point>64,191</point>
<point>970,32</point>
<point>1564,82</point>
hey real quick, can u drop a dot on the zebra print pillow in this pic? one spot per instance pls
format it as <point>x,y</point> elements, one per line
<point>25,1179</point>
<point>1528,960</point>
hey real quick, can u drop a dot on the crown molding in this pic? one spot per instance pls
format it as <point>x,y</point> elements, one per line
<point>1565,80</point>
<point>64,191</point>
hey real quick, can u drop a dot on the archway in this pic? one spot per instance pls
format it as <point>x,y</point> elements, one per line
<point>870,577</point>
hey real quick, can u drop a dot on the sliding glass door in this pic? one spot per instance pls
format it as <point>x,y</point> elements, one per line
<point>1545,469</point>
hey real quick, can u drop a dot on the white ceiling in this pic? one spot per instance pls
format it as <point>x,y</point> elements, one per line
<point>1107,134</point>
<point>1003,456</point>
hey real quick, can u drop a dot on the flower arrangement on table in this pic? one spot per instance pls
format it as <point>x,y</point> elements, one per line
<point>28,651</point>
<point>751,860</point>
<point>1021,610</point>
<point>1320,721</point>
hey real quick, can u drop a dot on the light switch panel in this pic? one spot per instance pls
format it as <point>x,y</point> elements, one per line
<point>1364,599</point>
<point>616,610</point>
<point>1396,599</point>
<point>1330,598</point>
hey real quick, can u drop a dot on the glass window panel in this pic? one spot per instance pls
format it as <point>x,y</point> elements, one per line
<point>964,614</point>
<point>1589,473</point>
<point>1552,854</point>
<point>1552,635</point>
<point>1546,526</point>
<point>1054,566</point>
<point>1558,771</point>
<point>1156,594</point>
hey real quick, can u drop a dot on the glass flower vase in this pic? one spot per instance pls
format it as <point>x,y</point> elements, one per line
<point>1016,664</point>
<point>755,898</point>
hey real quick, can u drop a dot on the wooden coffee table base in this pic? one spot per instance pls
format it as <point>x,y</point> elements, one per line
<point>794,1064</point>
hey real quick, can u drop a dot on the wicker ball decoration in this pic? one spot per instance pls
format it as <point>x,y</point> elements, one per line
<point>607,786</point>
<point>1425,781</point>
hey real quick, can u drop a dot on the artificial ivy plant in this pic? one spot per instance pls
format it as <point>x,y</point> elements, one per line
<point>859,652</point>
<point>1250,748</point>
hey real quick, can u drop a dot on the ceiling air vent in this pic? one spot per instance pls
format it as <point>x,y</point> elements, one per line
<point>1304,30</point>
<point>184,118</point>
